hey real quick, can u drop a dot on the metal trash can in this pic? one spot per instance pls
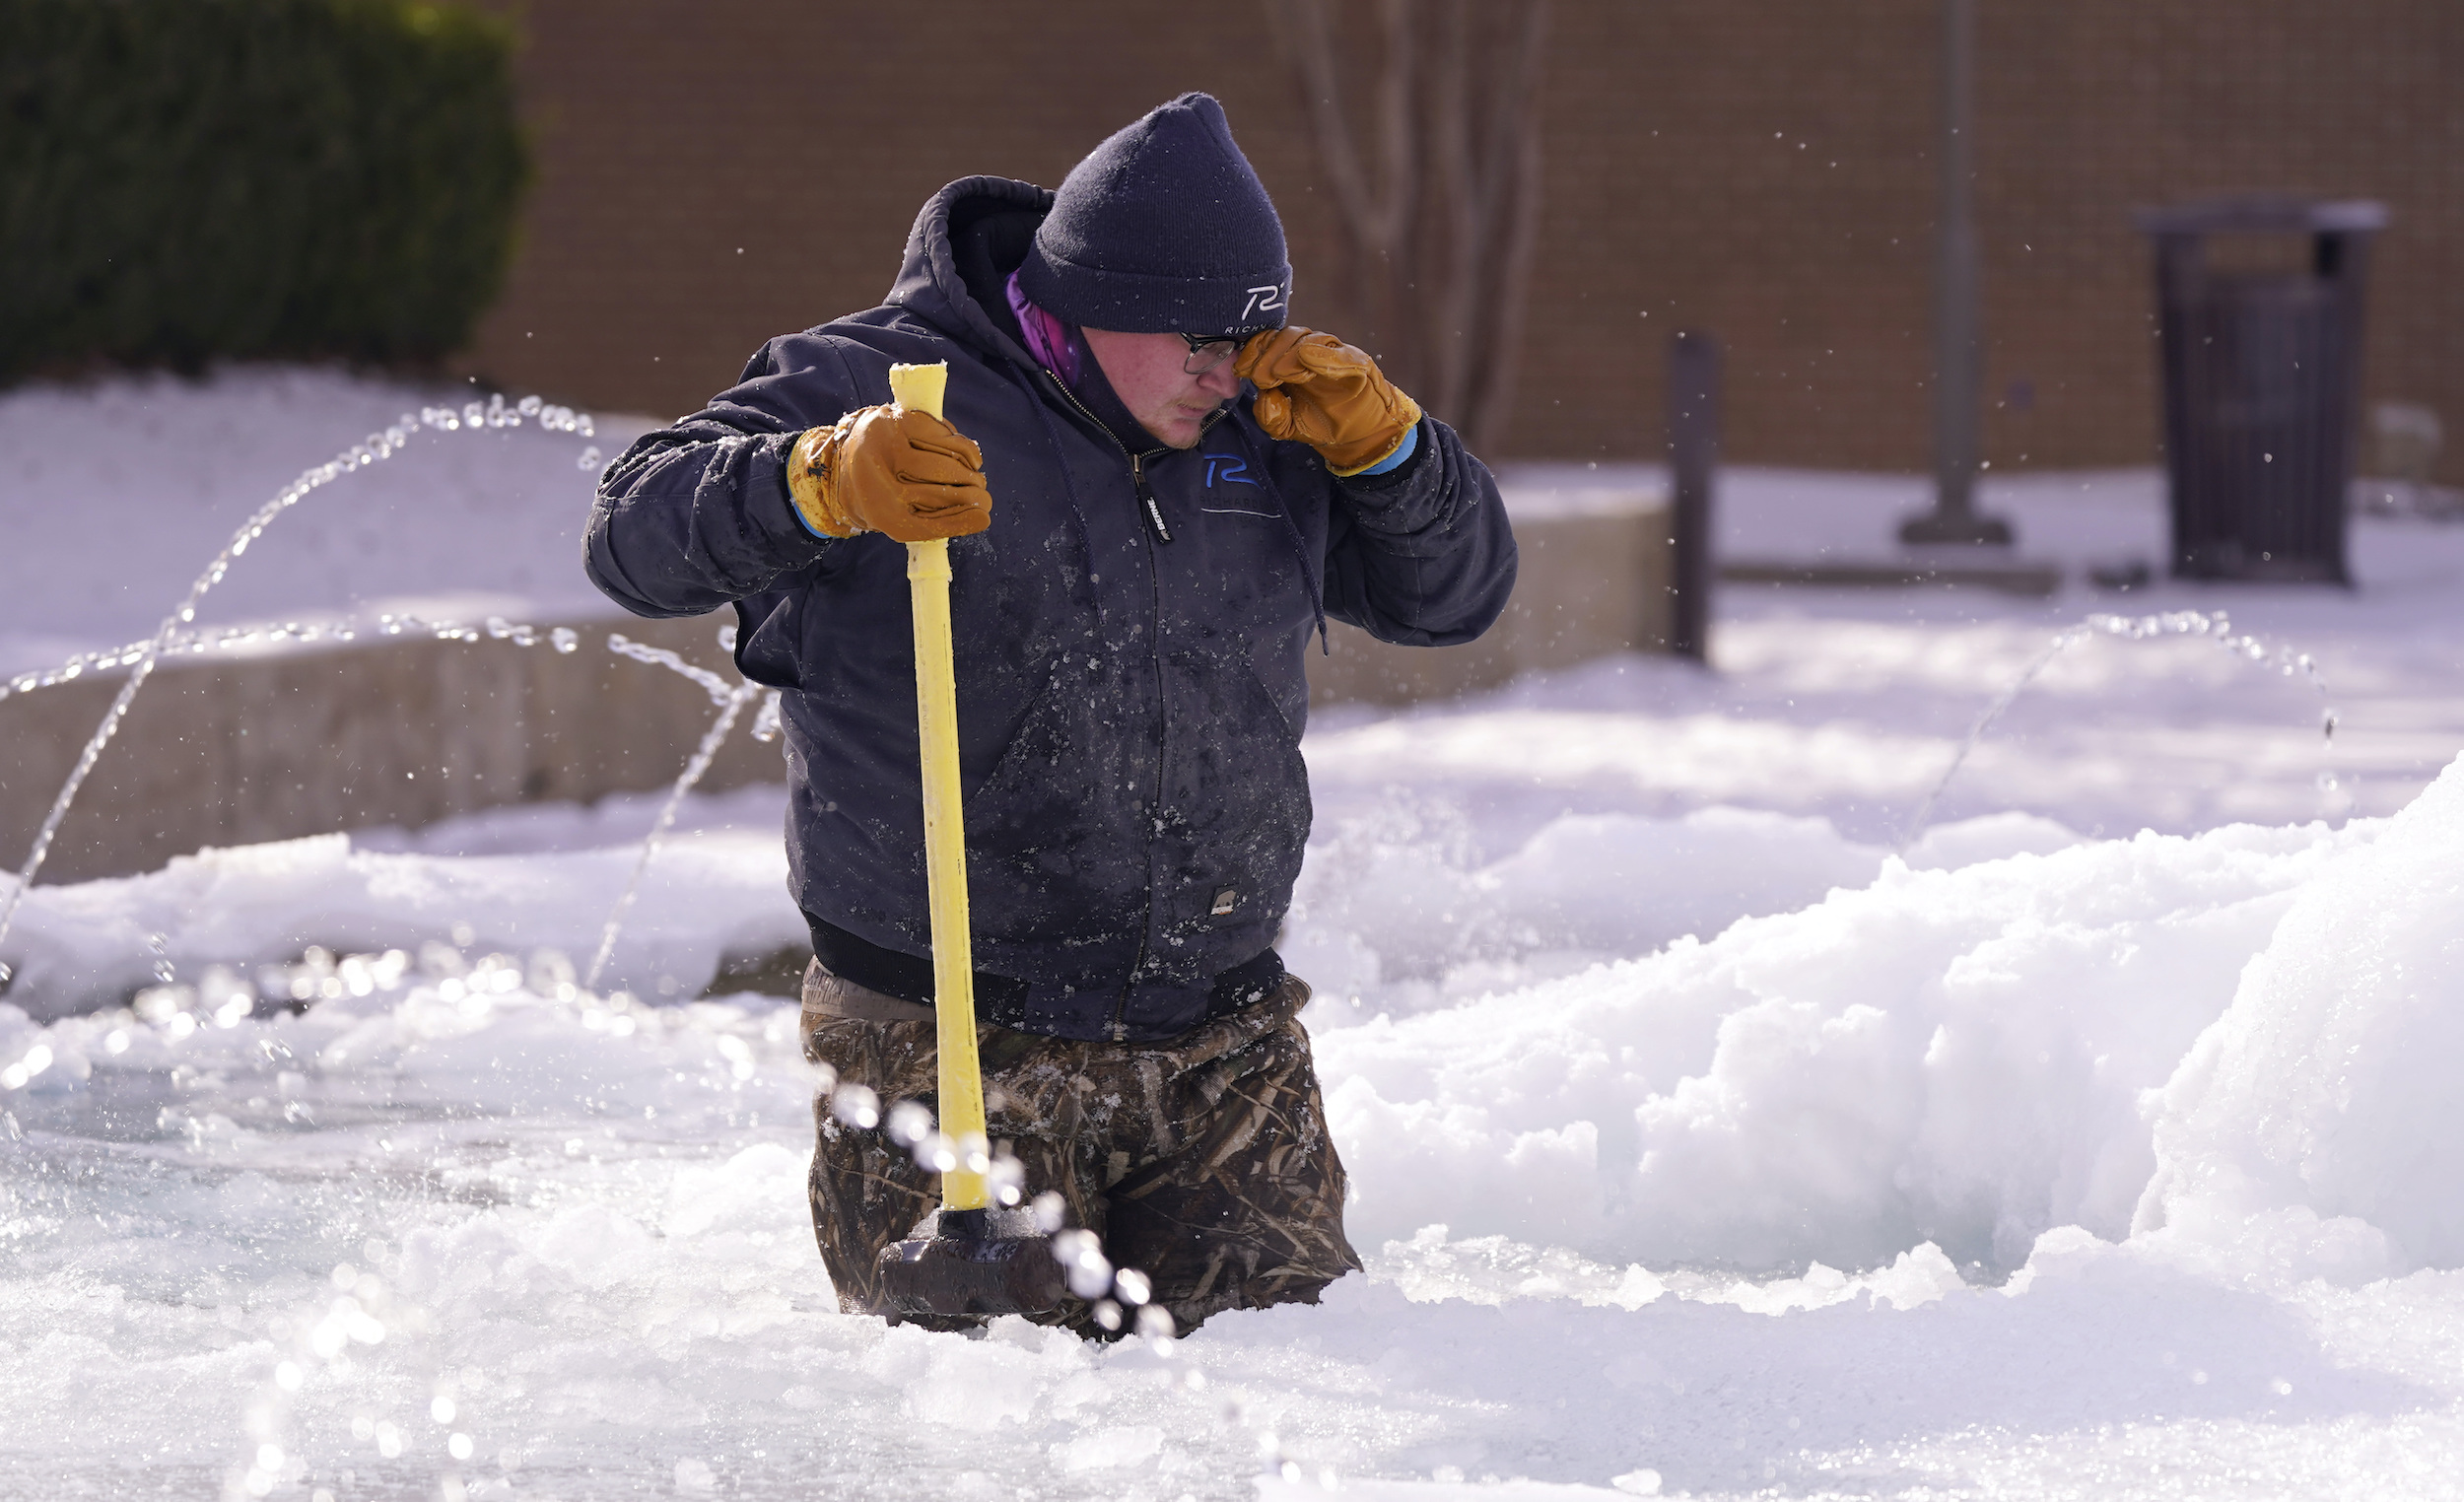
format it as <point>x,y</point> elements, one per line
<point>2261,371</point>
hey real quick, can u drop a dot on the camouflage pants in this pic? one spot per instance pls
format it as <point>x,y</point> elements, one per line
<point>1202,1161</point>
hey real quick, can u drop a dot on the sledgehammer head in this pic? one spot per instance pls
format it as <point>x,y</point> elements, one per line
<point>973,1263</point>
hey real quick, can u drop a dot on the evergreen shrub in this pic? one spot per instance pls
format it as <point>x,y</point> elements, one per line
<point>184,180</point>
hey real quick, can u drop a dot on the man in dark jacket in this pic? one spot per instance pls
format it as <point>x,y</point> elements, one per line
<point>1157,492</point>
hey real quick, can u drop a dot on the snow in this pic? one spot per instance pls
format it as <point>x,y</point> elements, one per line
<point>1712,1131</point>
<point>113,494</point>
<point>2325,1090</point>
<point>1731,1104</point>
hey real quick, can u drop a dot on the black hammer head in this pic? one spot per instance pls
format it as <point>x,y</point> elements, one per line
<point>958,1263</point>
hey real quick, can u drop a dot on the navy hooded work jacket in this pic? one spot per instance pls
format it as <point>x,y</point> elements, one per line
<point>1130,689</point>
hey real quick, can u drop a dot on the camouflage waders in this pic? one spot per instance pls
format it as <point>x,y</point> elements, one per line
<point>1202,1161</point>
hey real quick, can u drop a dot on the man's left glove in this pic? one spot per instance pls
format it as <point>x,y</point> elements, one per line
<point>903,473</point>
<point>1315,390</point>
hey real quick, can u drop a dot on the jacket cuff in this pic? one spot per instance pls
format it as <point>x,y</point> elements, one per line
<point>792,529</point>
<point>1375,486</point>
<point>1394,459</point>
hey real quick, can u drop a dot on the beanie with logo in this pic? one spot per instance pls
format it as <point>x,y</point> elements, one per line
<point>1163,228</point>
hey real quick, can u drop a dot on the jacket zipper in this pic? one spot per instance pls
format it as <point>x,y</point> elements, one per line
<point>1148,506</point>
<point>1154,513</point>
<point>1153,812</point>
<point>1146,497</point>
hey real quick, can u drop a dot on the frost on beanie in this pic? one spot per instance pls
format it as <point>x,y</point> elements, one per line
<point>1163,228</point>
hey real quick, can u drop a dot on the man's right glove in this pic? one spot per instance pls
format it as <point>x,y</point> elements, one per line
<point>1315,390</point>
<point>905,474</point>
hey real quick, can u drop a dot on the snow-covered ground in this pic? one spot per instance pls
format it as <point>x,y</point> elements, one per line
<point>115,495</point>
<point>1713,1131</point>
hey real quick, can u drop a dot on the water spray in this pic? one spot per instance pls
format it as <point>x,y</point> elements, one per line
<point>243,637</point>
<point>2213,625</point>
<point>731,702</point>
<point>375,449</point>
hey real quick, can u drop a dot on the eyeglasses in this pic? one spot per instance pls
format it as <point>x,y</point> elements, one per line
<point>1206,351</point>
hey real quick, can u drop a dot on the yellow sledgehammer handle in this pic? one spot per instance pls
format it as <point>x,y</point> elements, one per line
<point>921,387</point>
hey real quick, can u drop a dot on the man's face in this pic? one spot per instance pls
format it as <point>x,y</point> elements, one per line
<point>1146,371</point>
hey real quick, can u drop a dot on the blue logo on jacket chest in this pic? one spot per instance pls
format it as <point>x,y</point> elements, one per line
<point>1228,470</point>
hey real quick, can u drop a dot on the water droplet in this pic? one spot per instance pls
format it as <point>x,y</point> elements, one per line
<point>857,1106</point>
<point>908,1123</point>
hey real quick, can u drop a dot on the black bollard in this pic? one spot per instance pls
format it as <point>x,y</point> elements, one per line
<point>1693,457</point>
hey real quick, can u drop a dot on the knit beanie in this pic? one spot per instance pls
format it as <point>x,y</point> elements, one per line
<point>1163,228</point>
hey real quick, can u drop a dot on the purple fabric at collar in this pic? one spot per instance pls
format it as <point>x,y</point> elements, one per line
<point>1048,338</point>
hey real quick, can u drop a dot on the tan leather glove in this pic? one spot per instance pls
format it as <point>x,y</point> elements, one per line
<point>905,474</point>
<point>1315,390</point>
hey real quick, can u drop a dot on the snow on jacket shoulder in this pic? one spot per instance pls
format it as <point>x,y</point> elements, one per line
<point>1130,708</point>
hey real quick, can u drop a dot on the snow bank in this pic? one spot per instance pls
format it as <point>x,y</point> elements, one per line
<point>1878,1055</point>
<point>1866,1056</point>
<point>459,1223</point>
<point>1955,1057</point>
<point>706,895</point>
<point>1396,908</point>
<point>2328,1090</point>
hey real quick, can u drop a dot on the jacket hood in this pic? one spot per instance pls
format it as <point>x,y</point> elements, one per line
<point>967,238</point>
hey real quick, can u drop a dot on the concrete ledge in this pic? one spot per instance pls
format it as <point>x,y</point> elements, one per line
<point>403,731</point>
<point>2031,580</point>
<point>1593,581</point>
<point>237,750</point>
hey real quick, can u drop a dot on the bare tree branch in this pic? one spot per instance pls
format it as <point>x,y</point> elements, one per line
<point>1519,153</point>
<point>1439,246</point>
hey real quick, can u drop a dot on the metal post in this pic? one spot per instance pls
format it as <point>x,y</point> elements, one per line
<point>1693,457</point>
<point>1957,341</point>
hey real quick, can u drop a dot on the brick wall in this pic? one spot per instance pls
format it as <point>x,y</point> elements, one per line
<point>718,171</point>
